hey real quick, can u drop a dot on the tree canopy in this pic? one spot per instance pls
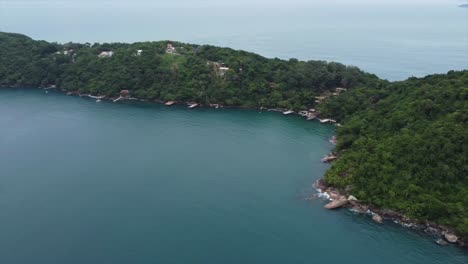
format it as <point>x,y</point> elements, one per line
<point>404,146</point>
<point>204,74</point>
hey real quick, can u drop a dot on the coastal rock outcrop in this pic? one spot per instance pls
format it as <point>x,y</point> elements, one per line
<point>335,195</point>
<point>377,218</point>
<point>450,237</point>
<point>358,207</point>
<point>338,199</point>
<point>336,204</point>
<point>329,158</point>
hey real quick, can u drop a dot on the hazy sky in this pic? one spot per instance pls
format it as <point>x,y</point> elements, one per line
<point>266,3</point>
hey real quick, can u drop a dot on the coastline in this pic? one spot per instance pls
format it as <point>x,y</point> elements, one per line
<point>284,111</point>
<point>379,215</point>
<point>316,115</point>
<point>331,193</point>
<point>443,235</point>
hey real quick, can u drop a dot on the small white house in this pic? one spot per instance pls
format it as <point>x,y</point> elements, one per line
<point>66,52</point>
<point>170,48</point>
<point>222,71</point>
<point>139,52</point>
<point>106,54</point>
<point>339,89</point>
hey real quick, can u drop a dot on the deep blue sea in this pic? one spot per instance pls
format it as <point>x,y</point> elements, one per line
<point>394,39</point>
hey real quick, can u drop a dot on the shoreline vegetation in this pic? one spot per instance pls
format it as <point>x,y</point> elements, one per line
<point>399,145</point>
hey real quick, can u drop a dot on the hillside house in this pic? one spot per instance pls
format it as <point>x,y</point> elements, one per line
<point>170,49</point>
<point>339,90</point>
<point>106,54</point>
<point>124,93</point>
<point>222,71</point>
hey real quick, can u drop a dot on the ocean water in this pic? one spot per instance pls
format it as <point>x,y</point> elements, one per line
<point>86,182</point>
<point>394,39</point>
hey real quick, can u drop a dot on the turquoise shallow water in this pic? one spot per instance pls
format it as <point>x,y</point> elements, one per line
<point>86,182</point>
<point>394,39</point>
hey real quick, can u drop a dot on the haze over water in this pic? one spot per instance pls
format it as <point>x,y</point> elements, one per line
<point>394,39</point>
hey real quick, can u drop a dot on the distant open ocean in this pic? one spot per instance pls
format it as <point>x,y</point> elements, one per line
<point>392,39</point>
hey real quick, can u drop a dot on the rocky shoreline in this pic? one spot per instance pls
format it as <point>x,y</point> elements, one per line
<point>444,235</point>
<point>99,98</point>
<point>310,116</point>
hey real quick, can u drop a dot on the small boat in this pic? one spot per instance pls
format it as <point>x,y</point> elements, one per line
<point>275,110</point>
<point>288,112</point>
<point>98,100</point>
<point>169,103</point>
<point>50,87</point>
<point>327,121</point>
<point>96,97</point>
<point>191,106</point>
<point>304,113</point>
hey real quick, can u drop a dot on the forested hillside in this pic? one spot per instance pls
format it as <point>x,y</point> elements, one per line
<point>405,146</point>
<point>172,71</point>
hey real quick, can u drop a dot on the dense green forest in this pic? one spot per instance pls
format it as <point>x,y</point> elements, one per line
<point>405,146</point>
<point>204,74</point>
<point>402,145</point>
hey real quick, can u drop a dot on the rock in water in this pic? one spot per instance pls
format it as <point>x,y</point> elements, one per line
<point>357,207</point>
<point>441,242</point>
<point>336,204</point>
<point>377,218</point>
<point>451,237</point>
